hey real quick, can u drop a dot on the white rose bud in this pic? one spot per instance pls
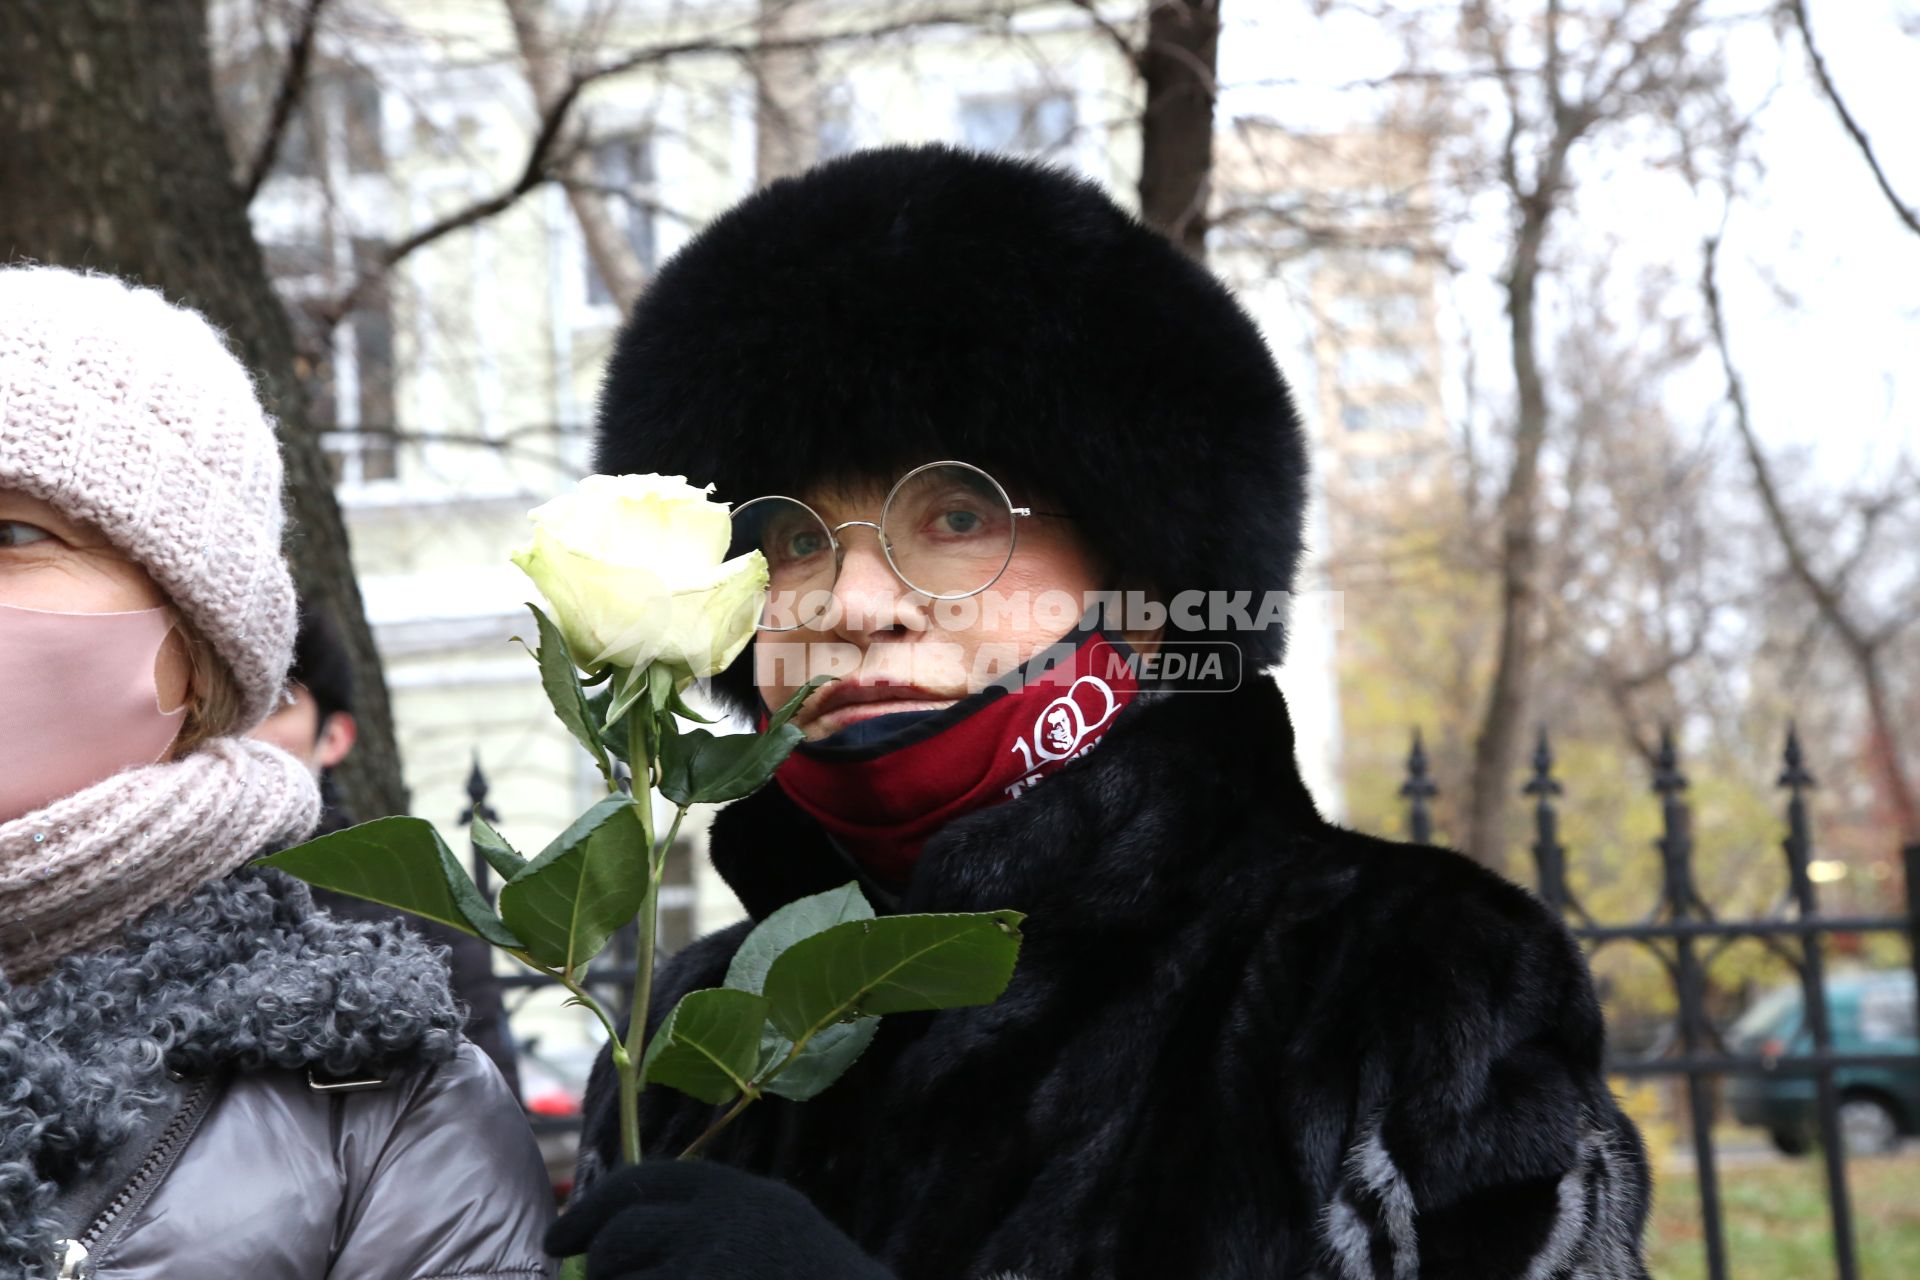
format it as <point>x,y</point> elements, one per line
<point>635,569</point>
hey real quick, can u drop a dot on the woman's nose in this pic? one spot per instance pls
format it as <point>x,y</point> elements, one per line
<point>871,598</point>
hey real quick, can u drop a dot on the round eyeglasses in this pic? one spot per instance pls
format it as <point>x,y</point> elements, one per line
<point>947,529</point>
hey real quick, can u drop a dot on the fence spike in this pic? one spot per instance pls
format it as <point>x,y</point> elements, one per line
<point>1417,790</point>
<point>1794,773</point>
<point>1815,1013</point>
<point>478,789</point>
<point>1542,783</point>
<point>1667,777</point>
<point>1549,855</point>
<point>1418,782</point>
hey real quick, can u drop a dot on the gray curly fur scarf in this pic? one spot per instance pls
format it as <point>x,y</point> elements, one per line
<point>246,974</point>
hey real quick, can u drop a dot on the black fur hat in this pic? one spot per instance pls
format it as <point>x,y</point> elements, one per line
<point>907,304</point>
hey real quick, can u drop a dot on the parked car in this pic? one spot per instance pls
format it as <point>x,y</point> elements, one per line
<point>1869,1012</point>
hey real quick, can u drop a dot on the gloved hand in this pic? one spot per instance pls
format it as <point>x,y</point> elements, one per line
<point>689,1220</point>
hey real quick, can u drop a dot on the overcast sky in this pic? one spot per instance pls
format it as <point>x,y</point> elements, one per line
<point>1834,377</point>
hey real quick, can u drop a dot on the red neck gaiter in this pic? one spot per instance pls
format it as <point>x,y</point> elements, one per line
<point>882,800</point>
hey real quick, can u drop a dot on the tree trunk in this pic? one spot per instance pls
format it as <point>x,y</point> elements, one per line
<point>786,89</point>
<point>1502,735</point>
<point>612,257</point>
<point>1176,131</point>
<point>112,157</point>
<point>1886,752</point>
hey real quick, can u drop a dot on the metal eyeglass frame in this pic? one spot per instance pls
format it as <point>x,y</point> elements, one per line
<point>886,546</point>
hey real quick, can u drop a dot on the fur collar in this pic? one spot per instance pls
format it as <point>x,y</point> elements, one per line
<point>244,975</point>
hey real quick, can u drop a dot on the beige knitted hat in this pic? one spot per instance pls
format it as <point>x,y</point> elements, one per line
<point>130,413</point>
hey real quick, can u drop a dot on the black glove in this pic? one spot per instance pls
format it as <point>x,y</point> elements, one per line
<point>689,1220</point>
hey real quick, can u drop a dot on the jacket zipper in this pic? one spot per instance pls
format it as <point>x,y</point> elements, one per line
<point>152,1171</point>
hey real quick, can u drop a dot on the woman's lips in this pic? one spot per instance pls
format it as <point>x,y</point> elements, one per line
<point>854,712</point>
<point>843,704</point>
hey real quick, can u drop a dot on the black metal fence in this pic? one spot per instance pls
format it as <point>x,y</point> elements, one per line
<point>1682,932</point>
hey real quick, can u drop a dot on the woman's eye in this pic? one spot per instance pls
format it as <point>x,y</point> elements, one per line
<point>18,533</point>
<point>793,546</point>
<point>959,523</point>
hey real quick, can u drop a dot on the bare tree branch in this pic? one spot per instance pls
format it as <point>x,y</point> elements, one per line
<point>1863,647</point>
<point>613,258</point>
<point>545,156</point>
<point>293,84</point>
<point>507,443</point>
<point>626,195</point>
<point>1900,207</point>
<point>1118,38</point>
<point>1639,59</point>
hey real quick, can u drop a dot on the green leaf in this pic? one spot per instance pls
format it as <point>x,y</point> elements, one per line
<point>825,1059</point>
<point>628,688</point>
<point>785,713</point>
<point>833,1050</point>
<point>697,767</point>
<point>501,856</point>
<point>592,879</point>
<point>788,925</point>
<point>709,1046</point>
<point>399,862</point>
<point>678,705</point>
<point>560,677</point>
<point>613,737</point>
<point>895,964</point>
<point>661,679</point>
<point>574,1268</point>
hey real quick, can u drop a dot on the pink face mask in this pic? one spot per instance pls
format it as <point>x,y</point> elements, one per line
<point>78,702</point>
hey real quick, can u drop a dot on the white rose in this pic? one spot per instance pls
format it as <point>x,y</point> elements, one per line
<point>635,569</point>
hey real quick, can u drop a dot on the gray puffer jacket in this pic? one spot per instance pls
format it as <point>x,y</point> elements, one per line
<point>249,1087</point>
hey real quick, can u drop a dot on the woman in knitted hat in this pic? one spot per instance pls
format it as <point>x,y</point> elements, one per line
<point>203,1075</point>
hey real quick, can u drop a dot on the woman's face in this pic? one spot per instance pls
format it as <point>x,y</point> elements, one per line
<point>895,650</point>
<point>53,563</point>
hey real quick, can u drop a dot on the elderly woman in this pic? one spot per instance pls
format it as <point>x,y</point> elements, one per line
<point>200,1074</point>
<point>1241,1043</point>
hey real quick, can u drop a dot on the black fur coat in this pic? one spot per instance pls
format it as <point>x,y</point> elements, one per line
<point>1240,1043</point>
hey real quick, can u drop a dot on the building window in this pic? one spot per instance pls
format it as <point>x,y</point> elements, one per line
<point>363,347</point>
<point>1387,415</point>
<point>341,120</point>
<point>373,368</point>
<point>359,96</point>
<point>679,898</point>
<point>623,167</point>
<point>1028,124</point>
<point>1383,469</point>
<point>1388,366</point>
<point>347,371</point>
<point>297,261</point>
<point>300,147</point>
<point>1363,312</point>
<point>336,144</point>
<point>1364,265</point>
